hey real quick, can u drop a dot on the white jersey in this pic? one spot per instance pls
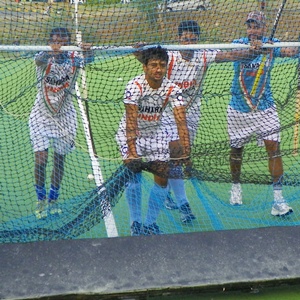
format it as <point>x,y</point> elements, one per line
<point>188,75</point>
<point>154,105</point>
<point>155,109</point>
<point>53,113</point>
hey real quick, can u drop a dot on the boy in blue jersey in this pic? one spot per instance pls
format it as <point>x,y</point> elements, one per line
<point>252,111</point>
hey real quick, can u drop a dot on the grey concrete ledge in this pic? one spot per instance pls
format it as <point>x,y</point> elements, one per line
<point>204,261</point>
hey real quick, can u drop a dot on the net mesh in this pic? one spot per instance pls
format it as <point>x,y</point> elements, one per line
<point>95,206</point>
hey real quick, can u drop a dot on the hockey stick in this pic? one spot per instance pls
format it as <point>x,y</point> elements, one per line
<point>264,58</point>
<point>297,109</point>
<point>277,19</point>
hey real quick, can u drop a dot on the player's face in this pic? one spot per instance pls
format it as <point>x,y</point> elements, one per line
<point>255,31</point>
<point>155,70</point>
<point>59,39</point>
<point>188,38</point>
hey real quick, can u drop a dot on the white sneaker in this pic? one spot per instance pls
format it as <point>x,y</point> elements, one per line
<point>41,209</point>
<point>281,209</point>
<point>54,208</point>
<point>236,194</point>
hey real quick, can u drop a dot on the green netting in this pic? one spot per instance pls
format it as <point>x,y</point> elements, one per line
<point>114,24</point>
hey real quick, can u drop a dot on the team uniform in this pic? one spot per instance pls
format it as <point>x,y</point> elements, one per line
<point>188,75</point>
<point>53,116</point>
<point>154,110</point>
<point>252,109</point>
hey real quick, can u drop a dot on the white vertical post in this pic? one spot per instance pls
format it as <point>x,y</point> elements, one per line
<point>110,225</point>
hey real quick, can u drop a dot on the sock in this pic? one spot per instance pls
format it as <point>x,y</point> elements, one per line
<point>133,195</point>
<point>176,172</point>
<point>53,193</point>
<point>236,187</point>
<point>157,197</point>
<point>40,192</point>
<point>277,189</point>
<point>177,185</point>
<point>278,194</point>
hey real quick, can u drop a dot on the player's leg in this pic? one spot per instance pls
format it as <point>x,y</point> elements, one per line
<point>280,206</point>
<point>133,190</point>
<point>239,130</point>
<point>236,156</point>
<point>171,130</point>
<point>62,146</point>
<point>158,163</point>
<point>56,176</point>
<point>41,158</point>
<point>40,146</point>
<point>158,194</point>
<point>133,194</point>
<point>169,202</point>
<point>270,131</point>
<point>177,185</point>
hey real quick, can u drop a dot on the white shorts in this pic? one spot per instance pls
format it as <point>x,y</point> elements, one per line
<point>150,148</point>
<point>61,146</point>
<point>193,116</point>
<point>58,133</point>
<point>262,123</point>
<point>173,132</point>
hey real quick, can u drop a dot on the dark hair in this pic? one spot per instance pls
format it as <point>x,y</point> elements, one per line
<point>155,53</point>
<point>190,25</point>
<point>61,31</point>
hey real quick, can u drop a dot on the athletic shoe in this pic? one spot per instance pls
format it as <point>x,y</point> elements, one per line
<point>136,228</point>
<point>281,209</point>
<point>170,203</point>
<point>41,209</point>
<point>186,215</point>
<point>152,229</point>
<point>54,208</point>
<point>236,194</point>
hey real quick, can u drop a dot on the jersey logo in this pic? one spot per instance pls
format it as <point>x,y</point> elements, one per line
<point>57,80</point>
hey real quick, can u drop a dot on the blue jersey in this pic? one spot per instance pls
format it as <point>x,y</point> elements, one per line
<point>251,88</point>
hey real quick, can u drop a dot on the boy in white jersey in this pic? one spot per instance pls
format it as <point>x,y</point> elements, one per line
<point>187,69</point>
<point>52,119</point>
<point>150,100</point>
<point>252,111</point>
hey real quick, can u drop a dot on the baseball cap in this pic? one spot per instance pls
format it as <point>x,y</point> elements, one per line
<point>256,16</point>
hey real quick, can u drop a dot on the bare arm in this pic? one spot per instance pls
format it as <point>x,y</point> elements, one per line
<point>180,118</point>
<point>289,51</point>
<point>138,53</point>
<point>131,129</point>
<point>242,54</point>
<point>87,52</point>
<point>234,55</point>
<point>239,55</point>
<point>43,58</point>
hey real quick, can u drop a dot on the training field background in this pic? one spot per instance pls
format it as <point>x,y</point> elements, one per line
<point>209,200</point>
<point>111,23</point>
